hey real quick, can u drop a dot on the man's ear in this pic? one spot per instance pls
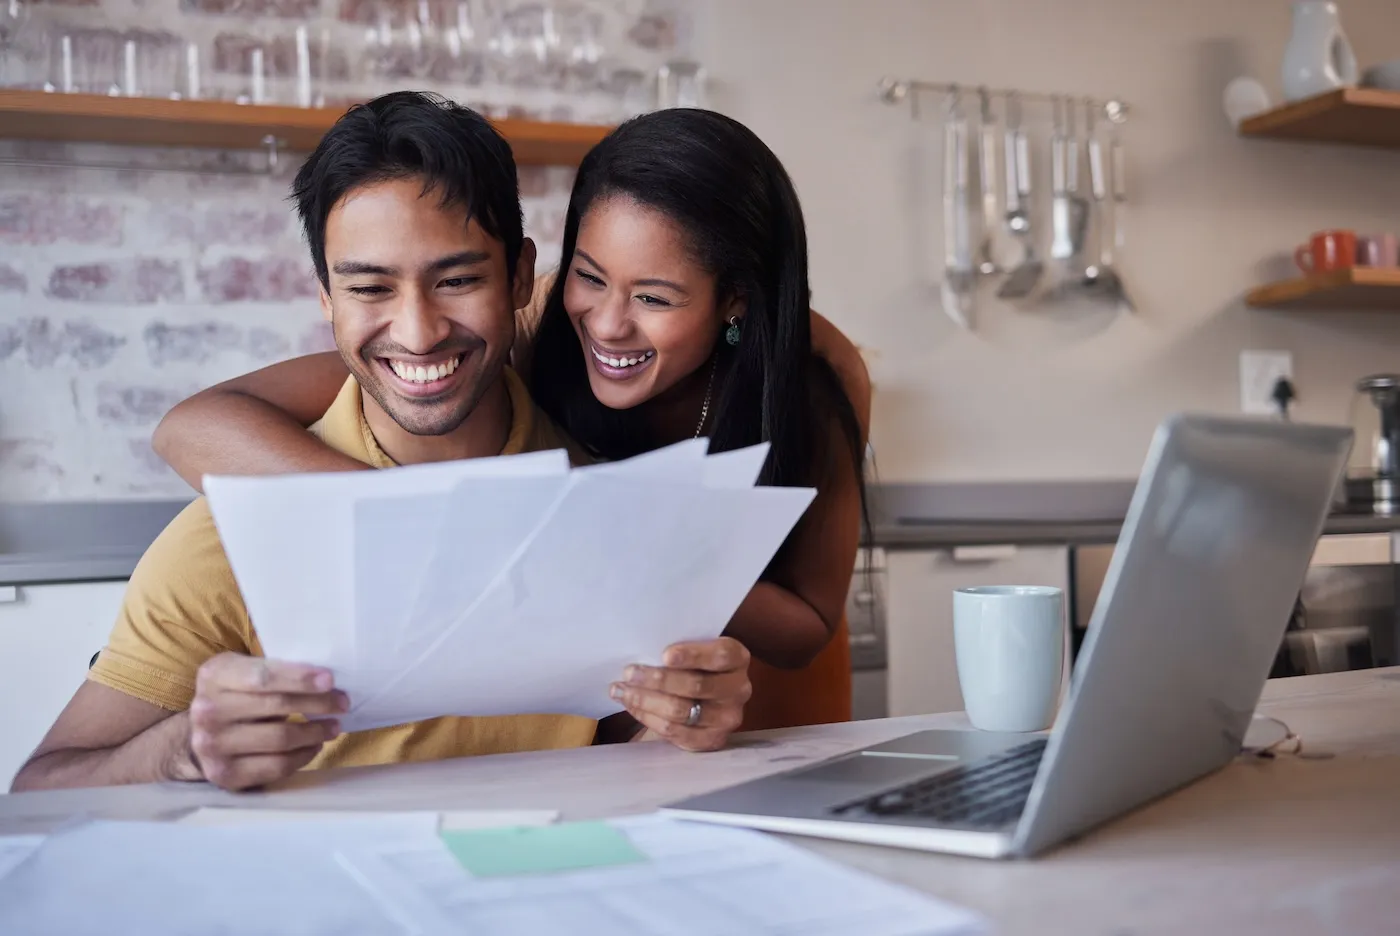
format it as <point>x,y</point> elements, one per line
<point>326,305</point>
<point>524,275</point>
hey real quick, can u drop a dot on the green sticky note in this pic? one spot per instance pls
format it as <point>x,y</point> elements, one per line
<point>569,846</point>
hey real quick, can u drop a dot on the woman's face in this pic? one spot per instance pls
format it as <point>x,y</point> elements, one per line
<point>643,309</point>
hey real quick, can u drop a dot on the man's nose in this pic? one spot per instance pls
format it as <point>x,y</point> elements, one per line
<point>419,326</point>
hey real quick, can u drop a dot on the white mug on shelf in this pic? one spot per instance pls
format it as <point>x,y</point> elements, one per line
<point>1010,647</point>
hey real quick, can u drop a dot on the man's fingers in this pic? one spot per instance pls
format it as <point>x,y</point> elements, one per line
<point>233,671</point>
<point>225,708</point>
<point>715,656</point>
<point>253,738</point>
<point>243,773</point>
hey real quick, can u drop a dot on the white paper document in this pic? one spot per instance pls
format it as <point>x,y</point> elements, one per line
<point>450,820</point>
<point>14,849</point>
<point>698,880</point>
<point>499,586</point>
<point>107,877</point>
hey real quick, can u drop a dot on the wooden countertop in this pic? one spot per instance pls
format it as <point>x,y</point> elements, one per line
<point>1280,847</point>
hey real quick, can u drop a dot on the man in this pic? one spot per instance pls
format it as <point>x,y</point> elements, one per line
<point>411,209</point>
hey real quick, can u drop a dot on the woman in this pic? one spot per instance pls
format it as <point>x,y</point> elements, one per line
<point>681,309</point>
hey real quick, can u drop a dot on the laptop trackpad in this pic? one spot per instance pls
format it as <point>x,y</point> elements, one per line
<point>866,770</point>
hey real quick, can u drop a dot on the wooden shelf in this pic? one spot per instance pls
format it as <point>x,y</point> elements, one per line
<point>1375,288</point>
<point>86,118</point>
<point>1360,116</point>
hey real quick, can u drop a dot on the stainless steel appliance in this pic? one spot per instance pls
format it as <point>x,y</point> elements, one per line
<point>1347,615</point>
<point>1373,472</point>
<point>865,617</point>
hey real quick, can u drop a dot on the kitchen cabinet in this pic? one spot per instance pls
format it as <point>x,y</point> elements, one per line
<point>48,634</point>
<point>923,673</point>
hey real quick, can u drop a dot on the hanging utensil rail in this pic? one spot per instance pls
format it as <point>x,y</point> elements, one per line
<point>900,90</point>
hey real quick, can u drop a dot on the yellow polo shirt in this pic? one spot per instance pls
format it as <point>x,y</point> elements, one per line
<point>182,607</point>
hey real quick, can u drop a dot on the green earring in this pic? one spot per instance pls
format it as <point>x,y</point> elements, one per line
<point>733,333</point>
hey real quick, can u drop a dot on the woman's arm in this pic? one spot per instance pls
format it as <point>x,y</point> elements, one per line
<point>256,424</point>
<point>786,621</point>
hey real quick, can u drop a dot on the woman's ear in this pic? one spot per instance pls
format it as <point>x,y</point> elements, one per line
<point>736,306</point>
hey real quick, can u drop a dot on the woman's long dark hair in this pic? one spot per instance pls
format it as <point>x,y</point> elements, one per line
<point>732,198</point>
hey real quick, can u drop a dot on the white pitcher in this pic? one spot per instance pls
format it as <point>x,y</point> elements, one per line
<point>1319,57</point>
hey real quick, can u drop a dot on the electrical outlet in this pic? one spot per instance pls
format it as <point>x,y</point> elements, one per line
<point>1259,371</point>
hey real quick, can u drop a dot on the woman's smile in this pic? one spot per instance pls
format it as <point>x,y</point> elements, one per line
<point>620,365</point>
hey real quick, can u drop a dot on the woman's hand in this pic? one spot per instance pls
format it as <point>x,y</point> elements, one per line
<point>710,674</point>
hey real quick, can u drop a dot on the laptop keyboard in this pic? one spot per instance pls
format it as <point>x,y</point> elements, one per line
<point>988,793</point>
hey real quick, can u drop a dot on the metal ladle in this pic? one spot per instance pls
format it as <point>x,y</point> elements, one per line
<point>1102,279</point>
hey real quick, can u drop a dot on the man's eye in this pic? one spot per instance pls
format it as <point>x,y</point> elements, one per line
<point>367,290</point>
<point>459,282</point>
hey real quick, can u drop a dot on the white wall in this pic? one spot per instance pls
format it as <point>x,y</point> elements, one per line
<point>1036,395</point>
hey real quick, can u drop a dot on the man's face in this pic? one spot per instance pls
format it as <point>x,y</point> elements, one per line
<point>420,302</point>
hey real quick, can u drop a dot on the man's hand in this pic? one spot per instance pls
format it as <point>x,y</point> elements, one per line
<point>239,733</point>
<point>714,673</point>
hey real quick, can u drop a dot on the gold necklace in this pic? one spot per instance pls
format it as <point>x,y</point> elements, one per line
<point>709,388</point>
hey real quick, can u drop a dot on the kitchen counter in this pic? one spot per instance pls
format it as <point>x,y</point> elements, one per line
<point>100,541</point>
<point>1069,513</point>
<point>78,541</point>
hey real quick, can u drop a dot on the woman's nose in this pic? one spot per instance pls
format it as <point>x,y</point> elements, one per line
<point>608,320</point>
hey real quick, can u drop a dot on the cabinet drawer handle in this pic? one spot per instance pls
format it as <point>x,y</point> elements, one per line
<point>983,553</point>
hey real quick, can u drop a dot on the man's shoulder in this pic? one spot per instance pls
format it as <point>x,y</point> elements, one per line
<point>186,562</point>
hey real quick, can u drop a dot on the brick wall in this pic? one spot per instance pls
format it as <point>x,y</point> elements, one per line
<point>122,291</point>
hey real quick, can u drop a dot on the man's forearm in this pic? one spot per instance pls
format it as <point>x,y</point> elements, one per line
<point>161,752</point>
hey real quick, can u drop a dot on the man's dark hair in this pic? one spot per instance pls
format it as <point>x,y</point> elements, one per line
<point>412,134</point>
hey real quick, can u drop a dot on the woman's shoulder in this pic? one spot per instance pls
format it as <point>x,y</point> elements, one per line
<point>831,345</point>
<point>527,323</point>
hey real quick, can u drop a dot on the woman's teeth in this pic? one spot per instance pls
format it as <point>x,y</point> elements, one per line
<point>420,374</point>
<point>623,361</point>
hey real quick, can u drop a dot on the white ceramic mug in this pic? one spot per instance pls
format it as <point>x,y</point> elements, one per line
<point>1010,642</point>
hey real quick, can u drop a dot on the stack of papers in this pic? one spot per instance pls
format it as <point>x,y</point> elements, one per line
<point>499,586</point>
<point>395,874</point>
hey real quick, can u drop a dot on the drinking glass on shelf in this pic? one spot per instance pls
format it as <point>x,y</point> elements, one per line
<point>14,15</point>
<point>580,31</point>
<point>525,45</point>
<point>680,83</point>
<point>90,61</point>
<point>152,64</point>
<point>634,91</point>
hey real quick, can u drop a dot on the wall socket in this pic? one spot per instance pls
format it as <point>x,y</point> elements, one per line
<point>1259,371</point>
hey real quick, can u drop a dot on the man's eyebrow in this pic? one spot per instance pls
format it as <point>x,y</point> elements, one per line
<point>465,258</point>
<point>362,268</point>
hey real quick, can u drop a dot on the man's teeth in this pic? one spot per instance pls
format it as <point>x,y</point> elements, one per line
<point>623,361</point>
<point>420,374</point>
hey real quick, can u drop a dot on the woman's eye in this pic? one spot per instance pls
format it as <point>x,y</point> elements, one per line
<point>588,277</point>
<point>654,301</point>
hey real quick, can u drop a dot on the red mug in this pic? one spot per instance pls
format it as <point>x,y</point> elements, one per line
<point>1327,251</point>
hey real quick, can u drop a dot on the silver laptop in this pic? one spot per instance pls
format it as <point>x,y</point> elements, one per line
<point>1213,551</point>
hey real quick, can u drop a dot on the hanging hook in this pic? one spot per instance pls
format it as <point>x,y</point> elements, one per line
<point>270,143</point>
